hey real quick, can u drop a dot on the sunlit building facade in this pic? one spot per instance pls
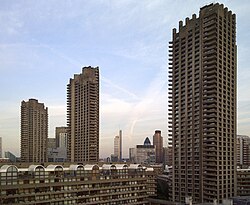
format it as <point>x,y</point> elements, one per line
<point>83,116</point>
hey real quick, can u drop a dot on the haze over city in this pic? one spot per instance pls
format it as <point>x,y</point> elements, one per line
<point>42,46</point>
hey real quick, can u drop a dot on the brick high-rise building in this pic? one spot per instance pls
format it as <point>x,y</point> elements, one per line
<point>83,116</point>
<point>203,78</point>
<point>158,143</point>
<point>34,131</point>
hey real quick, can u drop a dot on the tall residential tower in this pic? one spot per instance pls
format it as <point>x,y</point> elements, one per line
<point>34,131</point>
<point>202,76</point>
<point>83,116</point>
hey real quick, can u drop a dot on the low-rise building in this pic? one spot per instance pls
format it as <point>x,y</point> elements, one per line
<point>243,182</point>
<point>243,150</point>
<point>76,184</point>
<point>10,156</point>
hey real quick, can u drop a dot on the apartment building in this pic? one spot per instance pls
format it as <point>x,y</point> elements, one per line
<point>243,182</point>
<point>34,131</point>
<point>202,90</point>
<point>76,184</point>
<point>83,116</point>
<point>243,150</point>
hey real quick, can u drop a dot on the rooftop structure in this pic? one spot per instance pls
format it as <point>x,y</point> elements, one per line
<point>76,184</point>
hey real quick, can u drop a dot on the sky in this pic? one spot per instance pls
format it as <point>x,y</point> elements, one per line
<point>44,43</point>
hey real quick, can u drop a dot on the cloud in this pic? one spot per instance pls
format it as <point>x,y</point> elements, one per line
<point>42,45</point>
<point>108,83</point>
<point>137,118</point>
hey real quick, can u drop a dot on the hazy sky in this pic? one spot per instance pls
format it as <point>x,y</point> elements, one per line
<point>44,43</point>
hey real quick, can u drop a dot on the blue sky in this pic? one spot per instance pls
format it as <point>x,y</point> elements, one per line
<point>44,43</point>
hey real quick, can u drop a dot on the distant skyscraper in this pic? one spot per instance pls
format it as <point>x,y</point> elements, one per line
<point>243,150</point>
<point>34,131</point>
<point>203,81</point>
<point>1,148</point>
<point>143,154</point>
<point>83,116</point>
<point>118,146</point>
<point>61,137</point>
<point>158,143</point>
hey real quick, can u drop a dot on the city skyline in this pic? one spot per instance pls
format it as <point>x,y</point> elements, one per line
<point>126,39</point>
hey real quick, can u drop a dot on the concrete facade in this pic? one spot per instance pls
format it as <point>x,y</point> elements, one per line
<point>76,184</point>
<point>243,150</point>
<point>61,137</point>
<point>83,116</point>
<point>243,182</point>
<point>34,131</point>
<point>202,90</point>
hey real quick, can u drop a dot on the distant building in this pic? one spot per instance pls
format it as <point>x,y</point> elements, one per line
<point>77,184</point>
<point>1,148</point>
<point>4,160</point>
<point>243,182</point>
<point>158,143</point>
<point>114,158</point>
<point>167,155</point>
<point>58,154</point>
<point>10,156</point>
<point>143,154</point>
<point>34,131</point>
<point>57,148</point>
<point>243,150</point>
<point>83,116</point>
<point>51,143</point>
<point>118,146</point>
<point>239,200</point>
<point>132,155</point>
<point>61,137</point>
